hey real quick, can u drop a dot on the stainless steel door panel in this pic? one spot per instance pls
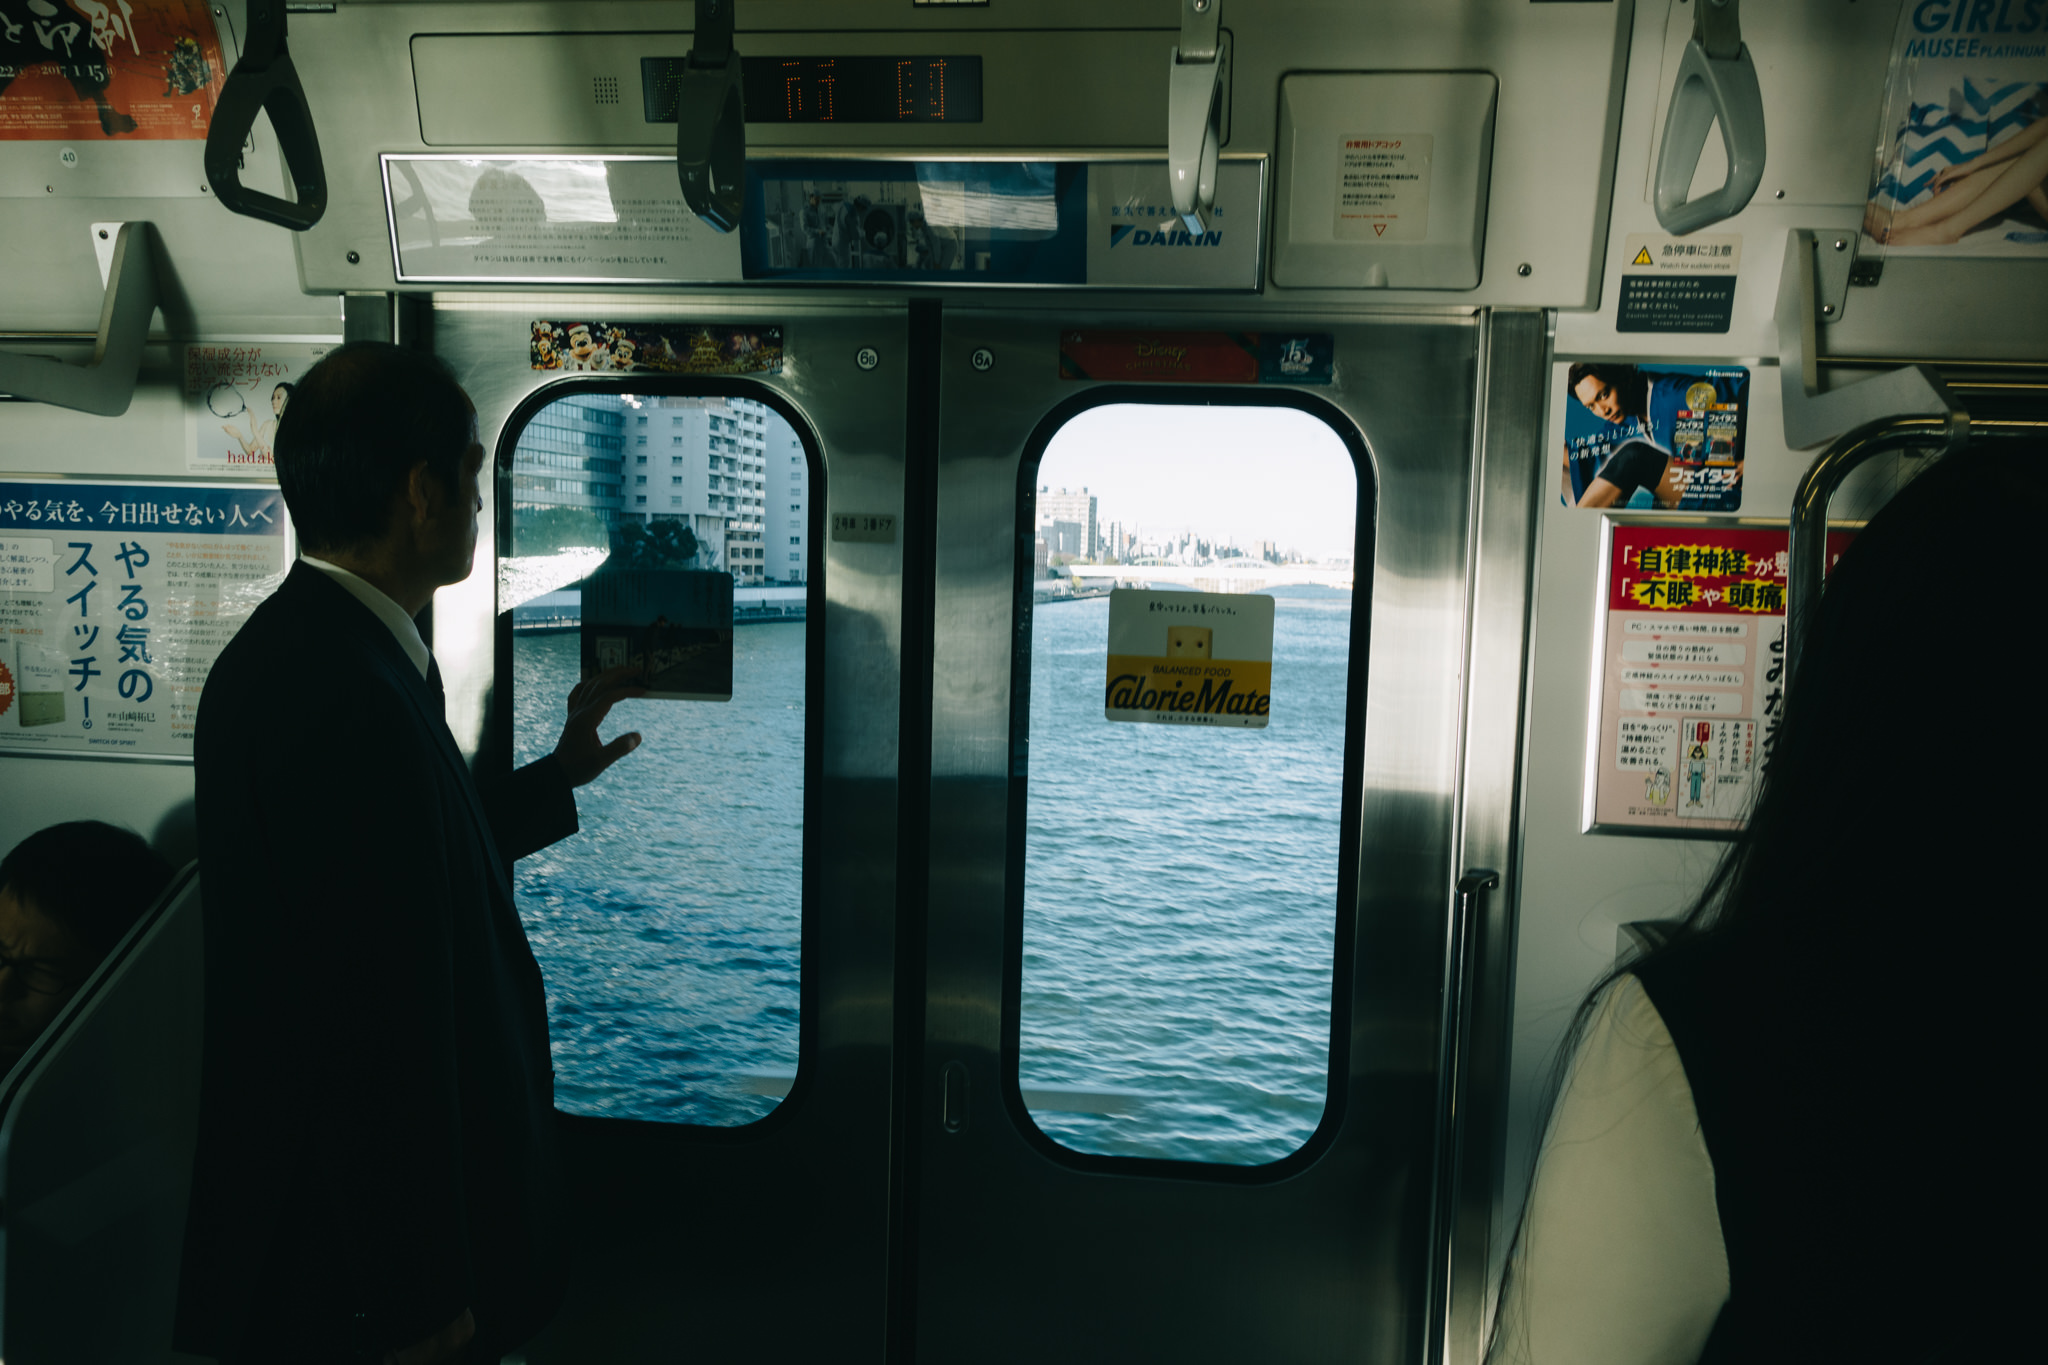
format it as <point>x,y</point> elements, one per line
<point>1025,1257</point>
<point>708,1240</point>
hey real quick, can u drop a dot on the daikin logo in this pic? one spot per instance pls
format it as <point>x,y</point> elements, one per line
<point>1119,233</point>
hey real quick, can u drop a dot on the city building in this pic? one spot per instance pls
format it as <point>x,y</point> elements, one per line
<point>570,456</point>
<point>1077,509</point>
<point>787,519</point>
<point>701,460</point>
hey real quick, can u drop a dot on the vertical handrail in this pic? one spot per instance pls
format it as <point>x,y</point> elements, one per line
<point>1453,1047</point>
<point>1806,568</point>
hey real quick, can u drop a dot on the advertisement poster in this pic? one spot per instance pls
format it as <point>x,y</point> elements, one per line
<point>235,393</point>
<point>115,599</point>
<point>675,625</point>
<point>1190,658</point>
<point>1200,357</point>
<point>1963,167</point>
<point>1662,437</point>
<point>594,220</point>
<point>654,347</point>
<point>1691,674</point>
<point>936,222</point>
<point>127,70</point>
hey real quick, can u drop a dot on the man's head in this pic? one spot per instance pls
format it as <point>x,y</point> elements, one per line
<point>1612,393</point>
<point>377,452</point>
<point>67,894</point>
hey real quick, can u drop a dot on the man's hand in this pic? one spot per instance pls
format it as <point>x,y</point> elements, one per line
<point>581,753</point>
<point>445,1345</point>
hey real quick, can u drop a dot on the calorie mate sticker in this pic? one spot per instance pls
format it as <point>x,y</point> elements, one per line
<point>1190,658</point>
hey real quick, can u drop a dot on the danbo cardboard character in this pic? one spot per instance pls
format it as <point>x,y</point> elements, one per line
<point>1189,642</point>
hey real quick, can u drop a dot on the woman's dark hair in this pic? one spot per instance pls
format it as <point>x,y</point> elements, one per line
<point>355,427</point>
<point>1889,798</point>
<point>93,878</point>
<point>1629,382</point>
<point>285,384</point>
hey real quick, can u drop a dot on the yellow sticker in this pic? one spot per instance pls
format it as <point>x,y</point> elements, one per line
<point>1187,658</point>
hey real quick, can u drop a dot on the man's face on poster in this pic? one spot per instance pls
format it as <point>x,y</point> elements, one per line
<point>1599,398</point>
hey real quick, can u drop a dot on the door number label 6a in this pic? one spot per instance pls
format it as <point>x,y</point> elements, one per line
<point>867,357</point>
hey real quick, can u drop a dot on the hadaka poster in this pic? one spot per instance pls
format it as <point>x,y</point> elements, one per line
<point>1190,658</point>
<point>654,347</point>
<point>115,599</point>
<point>1654,437</point>
<point>1963,166</point>
<point>118,70</point>
<point>235,395</point>
<point>1691,679</point>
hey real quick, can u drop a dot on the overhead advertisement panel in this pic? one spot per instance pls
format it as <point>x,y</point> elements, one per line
<point>621,220</point>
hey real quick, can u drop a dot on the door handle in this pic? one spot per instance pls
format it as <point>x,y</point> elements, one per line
<point>953,1097</point>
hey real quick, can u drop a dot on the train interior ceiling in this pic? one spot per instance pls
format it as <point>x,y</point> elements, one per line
<point>904,1006</point>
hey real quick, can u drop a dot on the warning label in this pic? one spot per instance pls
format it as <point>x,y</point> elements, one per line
<point>1383,186</point>
<point>1664,254</point>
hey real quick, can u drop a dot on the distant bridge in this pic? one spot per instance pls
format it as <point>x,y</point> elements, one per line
<point>1211,577</point>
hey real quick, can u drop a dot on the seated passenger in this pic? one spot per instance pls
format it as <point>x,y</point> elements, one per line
<point>67,894</point>
<point>1787,1134</point>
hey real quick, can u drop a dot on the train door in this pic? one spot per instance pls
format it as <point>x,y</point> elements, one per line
<point>1089,1185</point>
<point>718,939</point>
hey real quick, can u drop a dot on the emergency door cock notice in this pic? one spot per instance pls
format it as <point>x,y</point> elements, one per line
<point>1190,658</point>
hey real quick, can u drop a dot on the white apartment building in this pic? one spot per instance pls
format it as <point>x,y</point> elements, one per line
<point>700,460</point>
<point>786,539</point>
<point>1076,508</point>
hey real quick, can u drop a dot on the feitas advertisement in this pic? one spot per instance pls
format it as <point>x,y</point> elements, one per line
<point>123,70</point>
<point>1654,437</point>
<point>1691,677</point>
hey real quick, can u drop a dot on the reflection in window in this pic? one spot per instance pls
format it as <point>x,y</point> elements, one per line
<point>1180,882</point>
<point>669,932</point>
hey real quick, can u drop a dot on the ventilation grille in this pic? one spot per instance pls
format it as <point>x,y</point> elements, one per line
<point>604,89</point>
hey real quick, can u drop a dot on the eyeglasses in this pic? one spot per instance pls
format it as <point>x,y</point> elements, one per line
<point>35,975</point>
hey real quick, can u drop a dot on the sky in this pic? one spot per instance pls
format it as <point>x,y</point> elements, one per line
<point>1248,473</point>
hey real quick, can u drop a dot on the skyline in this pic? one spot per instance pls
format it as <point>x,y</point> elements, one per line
<point>1241,473</point>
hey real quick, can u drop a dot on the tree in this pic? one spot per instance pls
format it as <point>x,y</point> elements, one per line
<point>664,543</point>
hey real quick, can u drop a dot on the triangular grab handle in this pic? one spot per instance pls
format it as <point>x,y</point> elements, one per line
<point>264,80</point>
<point>1716,83</point>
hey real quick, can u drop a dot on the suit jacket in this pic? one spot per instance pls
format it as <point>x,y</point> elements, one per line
<point>376,1139</point>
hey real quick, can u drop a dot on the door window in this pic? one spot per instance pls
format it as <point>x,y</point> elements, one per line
<point>1181,883</point>
<point>669,930</point>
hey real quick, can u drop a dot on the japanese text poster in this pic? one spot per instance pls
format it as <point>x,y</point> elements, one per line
<point>115,599</point>
<point>235,395</point>
<point>1662,437</point>
<point>1190,658</point>
<point>107,70</point>
<point>1691,679</point>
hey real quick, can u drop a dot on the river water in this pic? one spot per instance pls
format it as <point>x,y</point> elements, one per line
<point>1179,904</point>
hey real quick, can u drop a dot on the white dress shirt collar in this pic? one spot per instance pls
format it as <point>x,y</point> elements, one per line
<point>401,626</point>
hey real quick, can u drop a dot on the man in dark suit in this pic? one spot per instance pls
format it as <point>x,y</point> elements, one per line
<point>374,1179</point>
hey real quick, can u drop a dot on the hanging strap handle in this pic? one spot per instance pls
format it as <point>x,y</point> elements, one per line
<point>711,120</point>
<point>264,80</point>
<point>1716,83</point>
